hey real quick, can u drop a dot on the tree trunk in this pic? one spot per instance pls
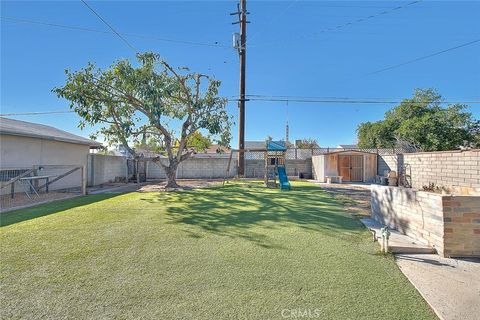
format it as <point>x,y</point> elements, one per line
<point>171,173</point>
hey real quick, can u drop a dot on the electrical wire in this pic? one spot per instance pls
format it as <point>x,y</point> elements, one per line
<point>109,26</point>
<point>33,113</point>
<point>125,34</point>
<point>344,101</point>
<point>333,100</point>
<point>423,57</point>
<point>343,25</point>
<point>272,20</point>
<point>286,99</point>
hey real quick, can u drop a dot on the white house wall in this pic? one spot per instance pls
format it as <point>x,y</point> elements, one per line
<point>18,152</point>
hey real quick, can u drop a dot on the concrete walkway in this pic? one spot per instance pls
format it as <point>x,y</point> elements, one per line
<point>115,188</point>
<point>398,242</point>
<point>450,286</point>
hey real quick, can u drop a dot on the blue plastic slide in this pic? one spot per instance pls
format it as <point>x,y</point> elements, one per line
<point>282,177</point>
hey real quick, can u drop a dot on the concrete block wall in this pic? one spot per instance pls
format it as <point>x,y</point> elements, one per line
<point>415,213</point>
<point>104,168</point>
<point>462,225</point>
<point>387,163</point>
<point>451,224</point>
<point>212,167</point>
<point>295,167</point>
<point>449,169</point>
<point>256,168</point>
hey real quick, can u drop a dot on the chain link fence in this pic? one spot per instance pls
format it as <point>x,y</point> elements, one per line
<point>299,161</point>
<point>305,154</point>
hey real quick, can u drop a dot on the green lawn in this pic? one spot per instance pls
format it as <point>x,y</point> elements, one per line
<point>235,252</point>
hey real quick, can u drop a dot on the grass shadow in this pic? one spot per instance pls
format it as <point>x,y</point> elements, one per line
<point>235,209</point>
<point>16,216</point>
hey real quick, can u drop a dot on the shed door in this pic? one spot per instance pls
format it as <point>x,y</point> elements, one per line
<point>350,167</point>
<point>344,167</point>
<point>356,168</point>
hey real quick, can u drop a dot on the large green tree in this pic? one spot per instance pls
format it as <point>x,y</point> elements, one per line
<point>152,98</point>
<point>421,122</point>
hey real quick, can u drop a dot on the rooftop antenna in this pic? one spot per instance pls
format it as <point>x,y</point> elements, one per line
<point>286,127</point>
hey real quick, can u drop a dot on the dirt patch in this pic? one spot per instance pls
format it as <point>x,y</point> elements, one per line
<point>355,199</point>
<point>21,200</point>
<point>184,185</point>
<point>154,186</point>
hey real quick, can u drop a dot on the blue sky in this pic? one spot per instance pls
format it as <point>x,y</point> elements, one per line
<point>287,56</point>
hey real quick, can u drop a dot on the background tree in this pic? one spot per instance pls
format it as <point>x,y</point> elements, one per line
<point>150,144</point>
<point>306,143</point>
<point>198,142</point>
<point>170,105</point>
<point>423,123</point>
<point>106,152</point>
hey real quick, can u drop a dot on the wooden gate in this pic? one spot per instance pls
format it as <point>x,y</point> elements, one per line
<point>137,170</point>
<point>350,167</point>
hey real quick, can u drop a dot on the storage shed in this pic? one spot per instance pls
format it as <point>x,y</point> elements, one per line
<point>351,165</point>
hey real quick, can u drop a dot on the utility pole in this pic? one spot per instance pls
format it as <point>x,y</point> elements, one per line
<point>240,44</point>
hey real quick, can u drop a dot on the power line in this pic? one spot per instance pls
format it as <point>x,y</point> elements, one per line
<point>33,113</point>
<point>286,99</point>
<point>110,26</point>
<point>333,100</point>
<point>317,97</point>
<point>344,101</point>
<point>273,19</point>
<point>463,99</point>
<point>343,25</point>
<point>125,34</point>
<point>424,57</point>
<point>352,6</point>
<point>50,24</point>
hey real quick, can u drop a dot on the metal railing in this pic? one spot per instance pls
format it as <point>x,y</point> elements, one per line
<point>21,187</point>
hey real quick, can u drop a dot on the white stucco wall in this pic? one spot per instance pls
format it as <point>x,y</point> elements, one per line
<point>18,152</point>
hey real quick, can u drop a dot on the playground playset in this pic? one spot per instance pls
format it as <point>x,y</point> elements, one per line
<point>275,154</point>
<point>275,165</point>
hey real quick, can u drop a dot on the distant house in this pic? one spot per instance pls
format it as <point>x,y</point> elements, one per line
<point>24,145</point>
<point>255,144</point>
<point>120,150</point>
<point>347,146</point>
<point>215,148</point>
